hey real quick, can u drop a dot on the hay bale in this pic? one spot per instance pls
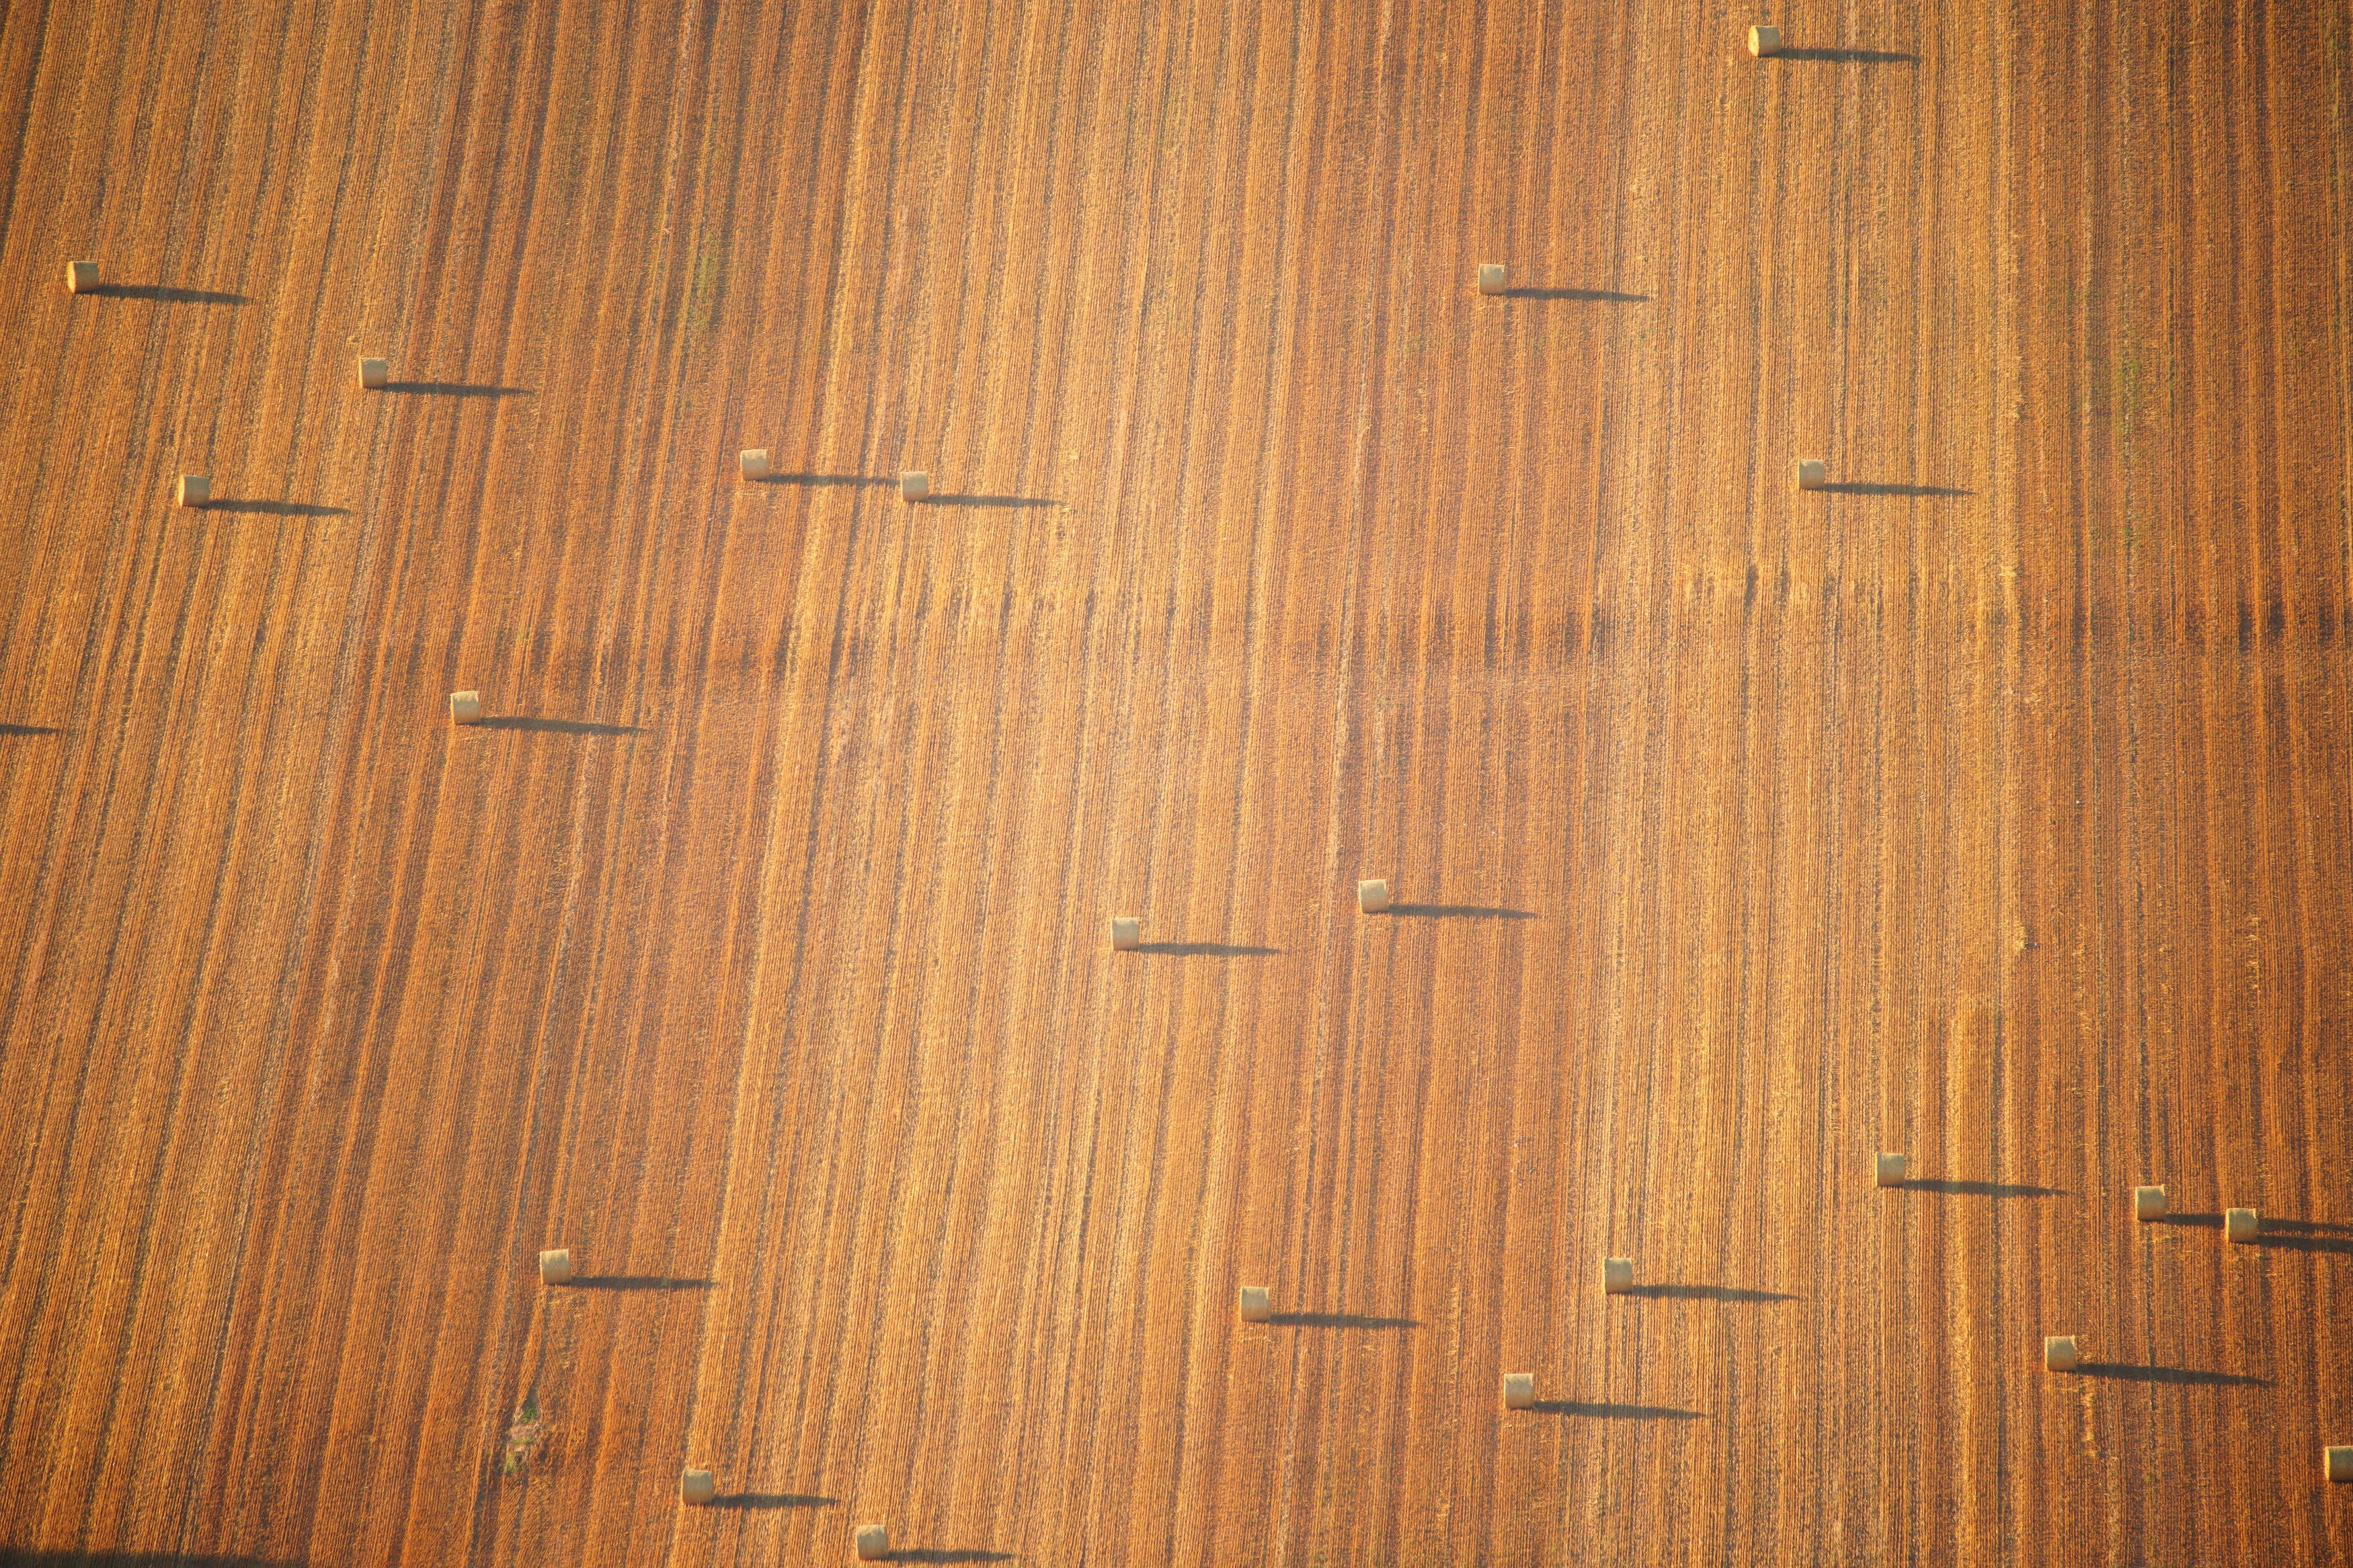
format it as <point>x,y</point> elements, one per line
<point>555,1267</point>
<point>1373,896</point>
<point>873,1543</point>
<point>914,487</point>
<point>1887,1171</point>
<point>1617,1276</point>
<point>465,707</point>
<point>1257,1304</point>
<point>755,461</point>
<point>195,489</point>
<point>1519,1390</point>
<point>1812,474</point>
<point>1491,277</point>
<point>2148,1204</point>
<point>1763,41</point>
<point>1127,931</point>
<point>2059,1354</point>
<point>697,1486</point>
<point>374,373</point>
<point>81,277</point>
<point>2241,1225</point>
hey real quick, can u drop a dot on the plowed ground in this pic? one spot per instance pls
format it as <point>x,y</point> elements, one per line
<point>1995,804</point>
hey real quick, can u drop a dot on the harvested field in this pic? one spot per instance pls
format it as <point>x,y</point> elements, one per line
<point>1994,804</point>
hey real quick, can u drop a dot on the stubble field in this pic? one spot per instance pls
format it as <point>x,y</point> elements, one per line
<point>1994,805</point>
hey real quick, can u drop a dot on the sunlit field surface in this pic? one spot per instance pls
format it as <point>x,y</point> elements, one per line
<point>1993,805</point>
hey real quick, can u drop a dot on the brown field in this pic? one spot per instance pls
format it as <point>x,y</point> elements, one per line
<point>1995,804</point>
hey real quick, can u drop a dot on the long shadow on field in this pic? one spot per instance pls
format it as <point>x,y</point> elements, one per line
<point>278,508</point>
<point>949,1554</point>
<point>639,1282</point>
<point>1204,950</point>
<point>2268,1232</point>
<point>28,729</point>
<point>1982,1189</point>
<point>1341,1321</point>
<point>1615,1412</point>
<point>992,501</point>
<point>1611,295</point>
<point>2172,1374</point>
<point>821,480</point>
<point>1864,487</point>
<point>1706,1293</point>
<point>770,1500</point>
<point>559,726</point>
<point>164,294</point>
<point>1458,912</point>
<point>1851,57</point>
<point>456,389</point>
